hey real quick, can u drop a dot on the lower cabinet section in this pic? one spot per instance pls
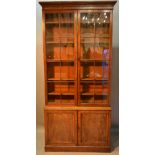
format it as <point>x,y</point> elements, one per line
<point>94,128</point>
<point>77,130</point>
<point>61,128</point>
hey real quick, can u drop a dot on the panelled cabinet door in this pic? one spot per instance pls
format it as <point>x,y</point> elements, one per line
<point>61,127</point>
<point>93,128</point>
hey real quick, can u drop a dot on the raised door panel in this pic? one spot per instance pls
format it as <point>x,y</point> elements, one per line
<point>61,127</point>
<point>94,128</point>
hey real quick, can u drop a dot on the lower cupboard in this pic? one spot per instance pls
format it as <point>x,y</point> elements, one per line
<point>77,130</point>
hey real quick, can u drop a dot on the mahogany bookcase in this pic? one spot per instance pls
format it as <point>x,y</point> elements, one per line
<point>77,46</point>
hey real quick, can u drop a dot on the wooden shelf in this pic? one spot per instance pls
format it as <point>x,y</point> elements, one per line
<point>87,79</point>
<point>66,22</point>
<point>86,22</point>
<point>63,36</point>
<point>52,22</point>
<point>53,42</point>
<point>50,102</point>
<point>94,43</point>
<point>60,80</point>
<point>58,60</point>
<point>85,94</point>
<point>93,94</point>
<point>103,36</point>
<point>90,79</point>
<point>57,22</point>
<point>70,102</point>
<point>54,93</point>
<point>47,107</point>
<point>93,60</point>
<point>82,60</point>
<point>67,94</point>
<point>96,36</point>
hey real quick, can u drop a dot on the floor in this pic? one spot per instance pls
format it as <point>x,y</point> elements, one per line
<point>40,145</point>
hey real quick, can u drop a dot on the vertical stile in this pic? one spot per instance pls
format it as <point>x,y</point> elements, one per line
<point>59,19</point>
<point>75,59</point>
<point>78,58</point>
<point>94,56</point>
<point>44,56</point>
<point>110,57</point>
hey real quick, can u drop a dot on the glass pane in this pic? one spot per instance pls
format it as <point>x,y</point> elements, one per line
<point>87,70</point>
<point>67,24</point>
<point>67,70</point>
<point>102,24</point>
<point>54,88</point>
<point>101,48</point>
<point>54,92</point>
<point>53,51</point>
<point>101,87</point>
<point>87,24</point>
<point>102,70</point>
<point>67,29</point>
<point>67,99</point>
<point>52,17</point>
<point>67,49</point>
<point>101,99</point>
<point>52,30</point>
<point>54,99</point>
<point>101,52</point>
<point>57,88</point>
<point>87,48</point>
<point>67,88</point>
<point>52,36</point>
<point>53,71</point>
<point>67,92</point>
<point>66,17</point>
<point>87,99</point>
<point>87,88</point>
<point>102,29</point>
<point>59,92</point>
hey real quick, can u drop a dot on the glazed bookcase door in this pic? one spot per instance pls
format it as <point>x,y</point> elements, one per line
<point>94,58</point>
<point>60,57</point>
